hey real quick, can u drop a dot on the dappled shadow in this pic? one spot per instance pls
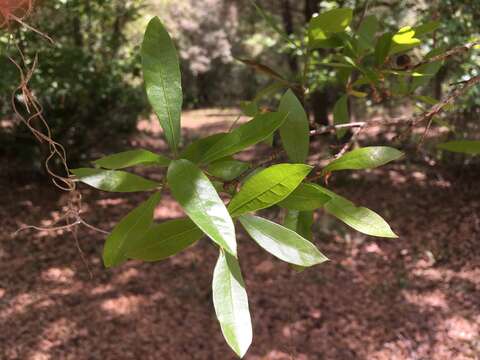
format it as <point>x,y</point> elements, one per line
<point>408,298</point>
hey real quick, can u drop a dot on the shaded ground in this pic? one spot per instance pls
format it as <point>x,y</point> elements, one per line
<point>412,298</point>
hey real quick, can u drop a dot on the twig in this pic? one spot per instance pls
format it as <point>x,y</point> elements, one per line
<point>349,143</point>
<point>437,108</point>
<point>448,54</point>
<point>328,129</point>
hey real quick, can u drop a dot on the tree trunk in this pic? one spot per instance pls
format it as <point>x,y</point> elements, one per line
<point>288,24</point>
<point>319,100</point>
<point>311,7</point>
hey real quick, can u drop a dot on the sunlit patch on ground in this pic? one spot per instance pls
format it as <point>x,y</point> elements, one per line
<point>123,305</point>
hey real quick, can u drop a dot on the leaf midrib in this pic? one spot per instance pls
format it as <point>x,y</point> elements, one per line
<point>260,194</point>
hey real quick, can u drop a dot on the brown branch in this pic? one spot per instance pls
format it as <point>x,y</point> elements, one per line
<point>437,108</point>
<point>446,55</point>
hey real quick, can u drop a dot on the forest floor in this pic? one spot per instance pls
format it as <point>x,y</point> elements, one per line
<point>416,297</point>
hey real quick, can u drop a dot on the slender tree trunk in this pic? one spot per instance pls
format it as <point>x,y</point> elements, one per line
<point>438,82</point>
<point>311,7</point>
<point>288,24</point>
<point>319,99</point>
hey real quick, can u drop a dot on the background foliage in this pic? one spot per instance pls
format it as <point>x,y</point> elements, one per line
<point>88,82</point>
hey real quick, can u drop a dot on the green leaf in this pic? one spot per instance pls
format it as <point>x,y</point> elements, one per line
<point>426,28</point>
<point>295,131</point>
<point>360,218</point>
<point>332,21</point>
<point>366,33</point>
<point>199,199</point>
<point>403,40</point>
<point>364,158</point>
<point>165,239</point>
<point>436,51</point>
<point>322,27</point>
<point>306,196</point>
<point>196,149</point>
<point>340,114</point>
<point>231,303</point>
<point>132,158</point>
<point>269,140</point>
<point>128,232</point>
<point>249,108</point>
<point>161,71</point>
<point>427,71</point>
<point>281,242</point>
<point>471,147</point>
<point>268,187</point>
<point>382,49</point>
<point>244,136</point>
<point>227,169</point>
<point>269,90</point>
<point>113,181</point>
<point>301,222</point>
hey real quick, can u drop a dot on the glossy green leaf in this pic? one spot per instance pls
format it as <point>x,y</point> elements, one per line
<point>321,41</point>
<point>249,108</point>
<point>403,40</point>
<point>113,181</point>
<point>165,239</point>
<point>366,33</point>
<point>281,242</point>
<point>244,136</point>
<point>227,169</point>
<point>360,218</point>
<point>269,140</point>
<point>364,158</point>
<point>322,27</point>
<point>231,303</point>
<point>196,149</point>
<point>341,115</point>
<point>268,187</point>
<point>471,147</point>
<point>332,21</point>
<point>161,71</point>
<point>426,28</point>
<point>301,222</point>
<point>295,131</point>
<point>132,158</point>
<point>307,196</point>
<point>128,232</point>
<point>199,199</point>
<point>382,48</point>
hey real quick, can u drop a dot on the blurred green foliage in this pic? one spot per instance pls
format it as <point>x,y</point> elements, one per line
<point>88,82</point>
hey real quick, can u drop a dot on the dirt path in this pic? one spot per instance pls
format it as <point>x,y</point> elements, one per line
<point>412,298</point>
